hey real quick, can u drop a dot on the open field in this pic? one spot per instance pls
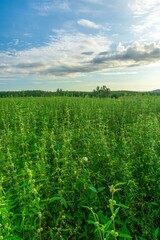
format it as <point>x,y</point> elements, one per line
<point>59,157</point>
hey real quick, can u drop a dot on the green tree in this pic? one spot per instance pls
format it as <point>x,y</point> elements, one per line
<point>101,91</point>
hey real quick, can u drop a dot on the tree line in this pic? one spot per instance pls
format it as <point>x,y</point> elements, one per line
<point>99,92</point>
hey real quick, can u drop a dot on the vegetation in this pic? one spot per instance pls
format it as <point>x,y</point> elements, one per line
<point>100,92</point>
<point>80,168</point>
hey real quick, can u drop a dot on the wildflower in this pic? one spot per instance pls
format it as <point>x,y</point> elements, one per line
<point>85,159</point>
<point>112,189</point>
<point>40,215</point>
<point>39,230</point>
<point>29,172</point>
<point>34,191</point>
<point>114,233</point>
<point>113,217</point>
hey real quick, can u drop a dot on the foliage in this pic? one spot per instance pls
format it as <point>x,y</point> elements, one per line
<point>108,229</point>
<point>101,91</point>
<point>98,92</point>
<point>59,155</point>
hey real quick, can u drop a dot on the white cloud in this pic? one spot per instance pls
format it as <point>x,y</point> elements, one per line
<point>26,34</point>
<point>118,73</point>
<point>44,7</point>
<point>98,2</point>
<point>137,54</point>
<point>120,48</point>
<point>89,24</point>
<point>16,42</point>
<point>65,54</point>
<point>146,19</point>
<point>142,7</point>
<point>76,55</point>
<point>93,1</point>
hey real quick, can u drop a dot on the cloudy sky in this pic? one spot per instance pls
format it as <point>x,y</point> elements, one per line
<point>79,44</point>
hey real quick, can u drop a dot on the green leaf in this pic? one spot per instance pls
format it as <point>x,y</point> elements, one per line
<point>121,205</point>
<point>125,229</point>
<point>107,225</point>
<point>119,184</point>
<point>125,235</point>
<point>153,203</point>
<point>91,222</point>
<point>51,234</point>
<point>116,211</point>
<point>63,202</point>
<point>54,199</point>
<point>13,238</point>
<point>100,189</point>
<point>155,235</point>
<point>93,189</point>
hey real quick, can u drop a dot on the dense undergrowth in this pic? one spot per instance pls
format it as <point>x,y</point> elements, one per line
<point>60,159</point>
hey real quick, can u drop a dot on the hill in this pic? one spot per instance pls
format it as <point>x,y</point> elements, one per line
<point>155,92</point>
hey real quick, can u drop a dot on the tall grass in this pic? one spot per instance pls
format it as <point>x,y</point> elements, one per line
<point>58,157</point>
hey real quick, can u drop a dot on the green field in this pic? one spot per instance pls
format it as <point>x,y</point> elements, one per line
<point>59,158</point>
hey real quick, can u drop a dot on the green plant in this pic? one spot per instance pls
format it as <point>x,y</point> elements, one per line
<point>108,230</point>
<point>59,154</point>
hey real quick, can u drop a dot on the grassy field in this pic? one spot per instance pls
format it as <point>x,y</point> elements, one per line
<point>80,168</point>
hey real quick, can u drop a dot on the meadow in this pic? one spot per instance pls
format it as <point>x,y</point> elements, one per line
<point>80,168</point>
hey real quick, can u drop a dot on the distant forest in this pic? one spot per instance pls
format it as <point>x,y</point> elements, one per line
<point>100,92</point>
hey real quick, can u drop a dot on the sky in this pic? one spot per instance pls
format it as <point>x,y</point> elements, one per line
<point>79,44</point>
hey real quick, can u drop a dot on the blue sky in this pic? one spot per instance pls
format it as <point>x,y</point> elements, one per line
<point>78,45</point>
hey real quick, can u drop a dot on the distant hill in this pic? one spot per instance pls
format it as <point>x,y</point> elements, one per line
<point>156,91</point>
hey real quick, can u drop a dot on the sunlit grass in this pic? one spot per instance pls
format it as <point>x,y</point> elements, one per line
<point>58,157</point>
